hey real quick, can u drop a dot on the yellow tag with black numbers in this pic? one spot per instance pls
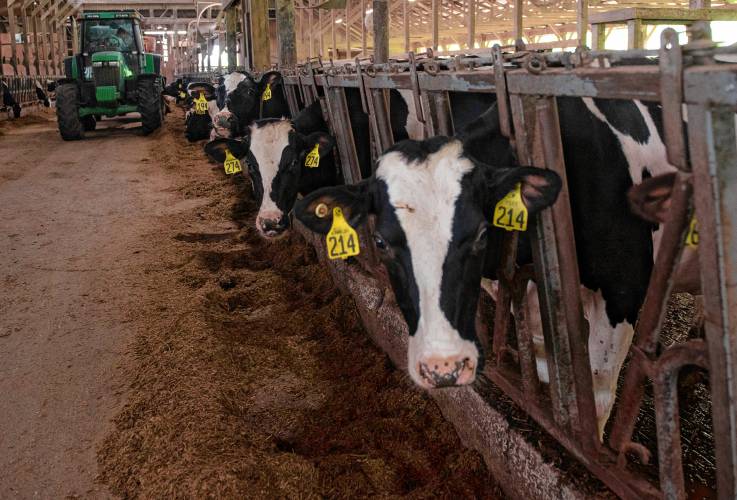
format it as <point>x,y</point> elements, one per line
<point>200,104</point>
<point>267,93</point>
<point>312,160</point>
<point>232,164</point>
<point>692,235</point>
<point>182,94</point>
<point>342,239</point>
<point>511,213</point>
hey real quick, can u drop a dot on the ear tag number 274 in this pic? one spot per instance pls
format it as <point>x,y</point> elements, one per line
<point>342,239</point>
<point>232,164</point>
<point>511,213</point>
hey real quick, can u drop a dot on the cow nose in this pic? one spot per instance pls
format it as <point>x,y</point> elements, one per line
<point>272,227</point>
<point>446,371</point>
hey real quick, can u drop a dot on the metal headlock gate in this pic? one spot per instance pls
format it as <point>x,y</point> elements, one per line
<point>23,88</point>
<point>526,86</point>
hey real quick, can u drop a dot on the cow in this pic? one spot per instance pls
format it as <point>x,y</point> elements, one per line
<point>284,157</point>
<point>8,99</point>
<point>224,122</point>
<point>651,201</point>
<point>198,123</point>
<point>425,217</point>
<point>253,100</point>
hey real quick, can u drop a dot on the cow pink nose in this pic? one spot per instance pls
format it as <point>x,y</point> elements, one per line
<point>446,371</point>
<point>271,227</point>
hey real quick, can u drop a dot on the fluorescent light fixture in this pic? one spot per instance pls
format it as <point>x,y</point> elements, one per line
<point>338,21</point>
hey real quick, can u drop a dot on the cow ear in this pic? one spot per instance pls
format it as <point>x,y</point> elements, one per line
<point>316,209</point>
<point>215,150</point>
<point>539,186</point>
<point>651,199</point>
<point>272,78</point>
<point>324,141</point>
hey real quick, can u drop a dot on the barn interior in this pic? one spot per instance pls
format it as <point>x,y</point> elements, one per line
<point>145,238</point>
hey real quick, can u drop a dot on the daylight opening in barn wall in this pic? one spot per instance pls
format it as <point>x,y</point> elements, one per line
<point>368,248</point>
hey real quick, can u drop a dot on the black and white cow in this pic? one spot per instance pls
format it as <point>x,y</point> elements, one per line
<point>199,125</point>
<point>432,226</point>
<point>246,99</point>
<point>8,99</point>
<point>275,151</point>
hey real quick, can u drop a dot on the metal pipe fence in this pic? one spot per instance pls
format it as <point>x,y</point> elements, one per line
<point>23,88</point>
<point>526,86</point>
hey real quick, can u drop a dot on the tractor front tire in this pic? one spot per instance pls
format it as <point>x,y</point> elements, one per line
<point>89,123</point>
<point>67,112</point>
<point>149,105</point>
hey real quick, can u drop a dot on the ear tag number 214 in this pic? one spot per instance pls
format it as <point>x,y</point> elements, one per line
<point>232,164</point>
<point>511,213</point>
<point>342,239</point>
<point>200,104</point>
<point>267,93</point>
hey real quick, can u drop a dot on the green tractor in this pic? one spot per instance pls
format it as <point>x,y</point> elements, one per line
<point>112,76</point>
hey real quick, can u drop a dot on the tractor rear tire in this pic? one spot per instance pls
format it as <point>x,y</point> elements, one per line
<point>89,123</point>
<point>149,105</point>
<point>67,112</point>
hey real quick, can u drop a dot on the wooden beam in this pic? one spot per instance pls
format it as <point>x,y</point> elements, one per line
<point>11,31</point>
<point>405,17</point>
<point>471,40</point>
<point>26,47</point>
<point>231,26</point>
<point>333,44</point>
<point>363,28</point>
<point>36,51</point>
<point>582,19</point>
<point>436,5</point>
<point>381,31</point>
<point>285,33</point>
<point>260,34</point>
<point>635,38</point>
<point>347,25</point>
<point>518,26</point>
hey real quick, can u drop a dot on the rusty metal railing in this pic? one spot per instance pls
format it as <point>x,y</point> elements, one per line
<point>23,88</point>
<point>527,86</point>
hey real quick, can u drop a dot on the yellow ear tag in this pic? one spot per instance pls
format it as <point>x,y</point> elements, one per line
<point>312,160</point>
<point>200,104</point>
<point>232,164</point>
<point>511,213</point>
<point>182,94</point>
<point>342,239</point>
<point>692,235</point>
<point>267,93</point>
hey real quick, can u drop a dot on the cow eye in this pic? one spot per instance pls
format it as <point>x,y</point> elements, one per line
<point>380,242</point>
<point>479,243</point>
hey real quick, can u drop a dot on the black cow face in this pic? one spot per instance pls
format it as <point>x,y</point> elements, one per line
<point>244,102</point>
<point>433,207</point>
<point>275,155</point>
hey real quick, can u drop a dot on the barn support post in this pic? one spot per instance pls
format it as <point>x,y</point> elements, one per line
<point>245,45</point>
<point>405,20</point>
<point>363,28</point>
<point>518,26</point>
<point>26,47</point>
<point>436,4</point>
<point>713,155</point>
<point>598,36</point>
<point>36,51</point>
<point>347,25</point>
<point>582,20</point>
<point>11,31</point>
<point>333,43</point>
<point>381,31</point>
<point>635,34</point>
<point>75,36</point>
<point>260,34</point>
<point>52,46</point>
<point>471,40</point>
<point>285,31</point>
<point>231,22</point>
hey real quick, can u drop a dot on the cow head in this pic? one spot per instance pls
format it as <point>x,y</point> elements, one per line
<point>275,154</point>
<point>243,101</point>
<point>433,208</point>
<point>651,199</point>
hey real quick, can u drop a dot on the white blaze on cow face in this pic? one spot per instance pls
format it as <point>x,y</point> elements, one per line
<point>231,81</point>
<point>437,353</point>
<point>268,141</point>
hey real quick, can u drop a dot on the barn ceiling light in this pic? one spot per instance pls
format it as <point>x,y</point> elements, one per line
<point>338,21</point>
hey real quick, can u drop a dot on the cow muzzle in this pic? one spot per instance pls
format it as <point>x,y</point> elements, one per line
<point>436,372</point>
<point>272,228</point>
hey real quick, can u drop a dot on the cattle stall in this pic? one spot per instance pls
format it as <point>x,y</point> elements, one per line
<point>686,81</point>
<point>24,89</point>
